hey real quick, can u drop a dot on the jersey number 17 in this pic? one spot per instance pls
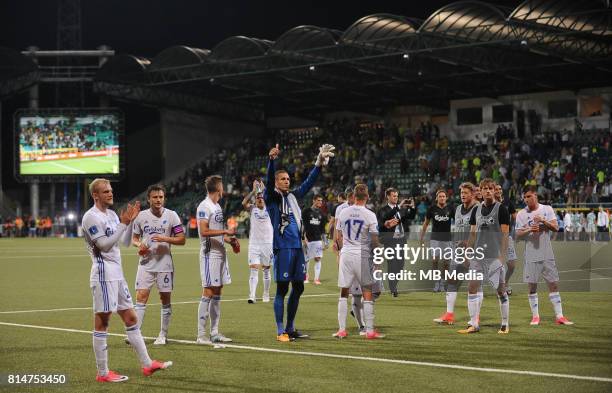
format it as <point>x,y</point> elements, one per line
<point>352,224</point>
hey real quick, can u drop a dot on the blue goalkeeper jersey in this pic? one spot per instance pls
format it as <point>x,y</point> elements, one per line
<point>290,236</point>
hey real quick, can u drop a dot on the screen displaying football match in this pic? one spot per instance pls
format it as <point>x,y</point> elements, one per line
<point>78,143</point>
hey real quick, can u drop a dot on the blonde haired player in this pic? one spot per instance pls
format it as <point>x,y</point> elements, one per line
<point>358,232</point>
<point>155,230</point>
<point>534,224</point>
<point>103,231</point>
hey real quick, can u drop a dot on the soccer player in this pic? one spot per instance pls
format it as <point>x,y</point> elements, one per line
<point>477,193</point>
<point>314,233</point>
<point>534,224</point>
<point>155,230</point>
<point>355,291</point>
<point>341,199</point>
<point>463,213</point>
<point>591,227</point>
<point>349,201</point>
<point>439,215</point>
<point>569,225</point>
<point>214,267</point>
<point>489,233</point>
<point>260,241</point>
<point>511,261</point>
<point>285,215</point>
<point>359,231</point>
<point>103,230</point>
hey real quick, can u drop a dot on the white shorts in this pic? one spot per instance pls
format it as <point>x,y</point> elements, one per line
<point>163,280</point>
<point>260,254</point>
<point>354,269</point>
<point>511,256</point>
<point>214,271</point>
<point>110,296</point>
<point>314,250</point>
<point>591,228</point>
<point>355,289</point>
<point>494,272</point>
<point>532,271</point>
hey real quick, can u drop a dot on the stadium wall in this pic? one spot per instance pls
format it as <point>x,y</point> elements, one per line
<point>537,102</point>
<point>188,138</point>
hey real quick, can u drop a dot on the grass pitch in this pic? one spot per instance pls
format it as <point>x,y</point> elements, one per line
<point>416,356</point>
<point>72,166</point>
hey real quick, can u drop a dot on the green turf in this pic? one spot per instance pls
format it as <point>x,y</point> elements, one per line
<point>72,166</point>
<point>54,273</point>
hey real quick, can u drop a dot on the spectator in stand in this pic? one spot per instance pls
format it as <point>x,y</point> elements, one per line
<point>603,222</point>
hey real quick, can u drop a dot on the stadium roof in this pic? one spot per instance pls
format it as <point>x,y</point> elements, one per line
<point>465,49</point>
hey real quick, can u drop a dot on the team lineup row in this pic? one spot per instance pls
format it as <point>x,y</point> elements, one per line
<point>279,230</point>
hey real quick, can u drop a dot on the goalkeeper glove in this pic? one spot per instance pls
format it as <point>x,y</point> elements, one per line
<point>325,152</point>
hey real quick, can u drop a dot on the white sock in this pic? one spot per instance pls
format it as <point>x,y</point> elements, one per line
<point>555,299</point>
<point>357,307</point>
<point>203,312</point>
<point>504,308</point>
<point>368,315</point>
<point>480,299</point>
<point>533,303</point>
<point>215,315</point>
<point>342,311</point>
<point>267,281</point>
<point>317,270</point>
<point>451,298</point>
<point>473,309</point>
<point>253,280</point>
<point>166,315</point>
<point>307,265</point>
<point>100,351</point>
<point>137,342</point>
<point>140,309</point>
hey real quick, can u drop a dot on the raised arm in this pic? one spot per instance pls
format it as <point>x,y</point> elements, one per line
<point>325,153</point>
<point>269,193</point>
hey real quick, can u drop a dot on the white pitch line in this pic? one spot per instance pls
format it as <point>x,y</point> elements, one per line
<point>349,357</point>
<point>67,167</point>
<point>150,304</point>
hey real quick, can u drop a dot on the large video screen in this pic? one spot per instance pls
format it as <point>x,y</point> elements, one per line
<point>69,143</point>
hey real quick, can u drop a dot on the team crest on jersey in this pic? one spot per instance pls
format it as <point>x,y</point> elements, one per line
<point>202,214</point>
<point>93,230</point>
<point>108,232</point>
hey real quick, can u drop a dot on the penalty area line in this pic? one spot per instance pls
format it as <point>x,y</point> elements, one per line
<point>347,357</point>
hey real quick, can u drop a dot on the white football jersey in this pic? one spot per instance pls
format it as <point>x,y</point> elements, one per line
<point>148,224</point>
<point>106,266</point>
<point>339,210</point>
<point>537,245</point>
<point>213,214</point>
<point>357,225</point>
<point>261,231</point>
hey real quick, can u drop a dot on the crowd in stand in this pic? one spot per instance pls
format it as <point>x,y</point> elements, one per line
<point>63,134</point>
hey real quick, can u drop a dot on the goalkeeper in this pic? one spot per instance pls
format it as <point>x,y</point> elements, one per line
<point>285,215</point>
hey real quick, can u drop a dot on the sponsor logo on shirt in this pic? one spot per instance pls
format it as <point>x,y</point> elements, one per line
<point>219,216</point>
<point>152,229</point>
<point>441,218</point>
